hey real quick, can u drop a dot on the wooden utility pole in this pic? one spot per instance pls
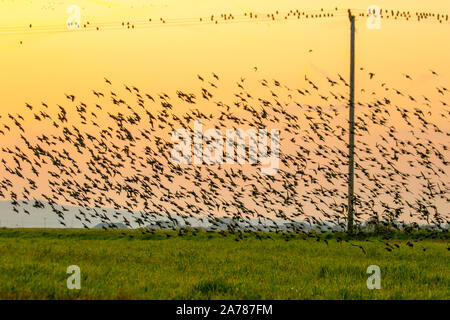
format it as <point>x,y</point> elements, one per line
<point>351,144</point>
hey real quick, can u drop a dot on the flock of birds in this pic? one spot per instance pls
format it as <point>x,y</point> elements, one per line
<point>115,154</point>
<point>225,18</point>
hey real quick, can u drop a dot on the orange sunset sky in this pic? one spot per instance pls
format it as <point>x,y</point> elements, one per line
<point>47,65</point>
<point>41,60</point>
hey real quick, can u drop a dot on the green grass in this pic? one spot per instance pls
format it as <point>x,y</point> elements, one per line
<point>130,265</point>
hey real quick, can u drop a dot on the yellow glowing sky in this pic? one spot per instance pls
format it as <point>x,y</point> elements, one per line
<point>45,66</point>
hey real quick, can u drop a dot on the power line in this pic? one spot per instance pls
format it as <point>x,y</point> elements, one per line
<point>228,18</point>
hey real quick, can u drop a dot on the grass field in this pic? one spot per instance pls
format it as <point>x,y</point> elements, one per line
<point>131,265</point>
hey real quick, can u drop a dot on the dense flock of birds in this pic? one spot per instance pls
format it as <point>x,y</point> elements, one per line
<point>116,153</point>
